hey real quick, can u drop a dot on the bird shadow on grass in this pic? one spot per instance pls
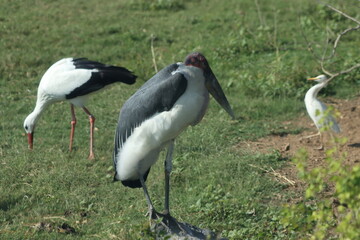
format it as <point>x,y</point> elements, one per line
<point>5,205</point>
<point>167,227</point>
<point>356,145</point>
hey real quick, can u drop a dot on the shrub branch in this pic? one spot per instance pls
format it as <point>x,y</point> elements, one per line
<point>322,59</point>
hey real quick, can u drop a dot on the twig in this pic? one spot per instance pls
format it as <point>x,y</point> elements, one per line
<point>342,13</point>
<point>332,76</point>
<point>55,217</point>
<point>153,52</point>
<point>275,34</point>
<point>117,222</point>
<point>262,22</point>
<point>322,59</point>
<point>309,44</point>
<point>338,39</point>
<point>276,174</point>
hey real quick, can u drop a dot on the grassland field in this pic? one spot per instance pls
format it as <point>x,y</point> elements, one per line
<point>257,49</point>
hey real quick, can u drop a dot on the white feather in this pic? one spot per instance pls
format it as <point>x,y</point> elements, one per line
<point>58,81</point>
<point>316,108</point>
<point>64,83</point>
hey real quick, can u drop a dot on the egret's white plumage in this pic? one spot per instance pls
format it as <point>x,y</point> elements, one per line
<point>316,109</point>
<point>73,79</point>
<point>175,98</point>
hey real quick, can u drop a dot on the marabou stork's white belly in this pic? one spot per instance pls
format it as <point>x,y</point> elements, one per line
<point>141,149</point>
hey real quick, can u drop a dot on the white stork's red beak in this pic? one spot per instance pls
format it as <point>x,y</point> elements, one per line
<point>30,140</point>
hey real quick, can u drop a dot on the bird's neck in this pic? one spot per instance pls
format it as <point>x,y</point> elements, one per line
<point>40,106</point>
<point>313,91</point>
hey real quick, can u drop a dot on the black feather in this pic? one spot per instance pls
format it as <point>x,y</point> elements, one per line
<point>135,183</point>
<point>105,75</point>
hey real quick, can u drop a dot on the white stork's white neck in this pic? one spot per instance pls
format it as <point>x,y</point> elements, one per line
<point>32,118</point>
<point>314,90</point>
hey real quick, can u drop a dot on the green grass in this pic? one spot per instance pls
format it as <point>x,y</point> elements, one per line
<point>259,56</point>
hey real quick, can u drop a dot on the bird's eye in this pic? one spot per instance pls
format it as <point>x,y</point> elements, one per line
<point>26,128</point>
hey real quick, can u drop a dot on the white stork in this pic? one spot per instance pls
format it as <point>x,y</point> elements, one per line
<point>316,108</point>
<point>150,120</point>
<point>73,79</point>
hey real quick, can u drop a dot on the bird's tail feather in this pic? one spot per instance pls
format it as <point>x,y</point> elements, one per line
<point>134,183</point>
<point>113,74</point>
<point>335,127</point>
<point>109,73</point>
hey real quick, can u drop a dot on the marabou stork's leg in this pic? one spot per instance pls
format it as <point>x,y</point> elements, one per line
<point>168,168</point>
<point>152,212</point>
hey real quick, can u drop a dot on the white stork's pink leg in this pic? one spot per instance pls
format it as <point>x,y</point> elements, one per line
<point>73,123</point>
<point>92,124</point>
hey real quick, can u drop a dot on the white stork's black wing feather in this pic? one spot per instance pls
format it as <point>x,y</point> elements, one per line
<point>152,98</point>
<point>105,75</point>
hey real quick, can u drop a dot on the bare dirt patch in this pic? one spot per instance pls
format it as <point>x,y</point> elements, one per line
<point>289,144</point>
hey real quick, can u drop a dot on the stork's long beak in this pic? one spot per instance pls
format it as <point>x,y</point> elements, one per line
<point>30,140</point>
<point>312,79</point>
<point>216,91</point>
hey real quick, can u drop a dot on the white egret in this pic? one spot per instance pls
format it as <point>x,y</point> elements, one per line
<point>316,109</point>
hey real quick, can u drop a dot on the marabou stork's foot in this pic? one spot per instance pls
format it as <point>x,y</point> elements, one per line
<point>167,226</point>
<point>153,214</point>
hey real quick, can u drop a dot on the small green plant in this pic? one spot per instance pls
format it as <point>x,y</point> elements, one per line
<point>157,4</point>
<point>328,118</point>
<point>330,208</point>
<point>217,205</point>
